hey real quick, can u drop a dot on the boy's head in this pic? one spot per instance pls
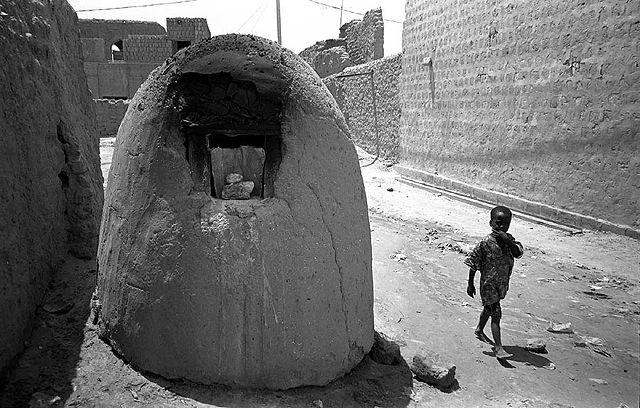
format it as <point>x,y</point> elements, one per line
<point>500,218</point>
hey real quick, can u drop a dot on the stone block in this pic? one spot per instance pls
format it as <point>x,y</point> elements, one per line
<point>237,191</point>
<point>429,368</point>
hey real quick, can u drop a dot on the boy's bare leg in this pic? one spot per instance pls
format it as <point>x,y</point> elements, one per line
<point>495,330</point>
<point>479,332</point>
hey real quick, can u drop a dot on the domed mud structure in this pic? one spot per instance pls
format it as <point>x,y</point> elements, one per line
<point>273,290</point>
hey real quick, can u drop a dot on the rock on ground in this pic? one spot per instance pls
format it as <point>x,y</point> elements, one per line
<point>385,351</point>
<point>428,368</point>
<point>536,345</point>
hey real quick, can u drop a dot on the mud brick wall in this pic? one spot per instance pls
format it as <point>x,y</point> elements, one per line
<point>50,178</point>
<point>116,80</point>
<point>109,114</point>
<point>92,49</point>
<point>538,100</point>
<point>327,57</point>
<point>201,29</point>
<point>187,29</point>
<point>309,54</point>
<point>147,48</point>
<point>365,39</point>
<point>332,61</point>
<point>116,30</point>
<point>354,96</point>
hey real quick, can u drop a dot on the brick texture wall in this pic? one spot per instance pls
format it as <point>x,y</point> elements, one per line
<point>116,30</point>
<point>327,57</point>
<point>354,96</point>
<point>332,61</point>
<point>109,114</point>
<point>187,29</point>
<point>365,39</point>
<point>540,100</point>
<point>147,48</point>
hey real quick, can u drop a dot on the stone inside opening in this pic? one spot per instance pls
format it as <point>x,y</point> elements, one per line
<point>230,128</point>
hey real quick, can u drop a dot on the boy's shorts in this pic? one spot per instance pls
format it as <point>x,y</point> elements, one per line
<point>494,310</point>
<point>491,293</point>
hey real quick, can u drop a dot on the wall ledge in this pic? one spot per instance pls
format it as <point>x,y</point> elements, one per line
<point>543,211</point>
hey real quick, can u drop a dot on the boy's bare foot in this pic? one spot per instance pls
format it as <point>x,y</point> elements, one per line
<point>482,337</point>
<point>501,353</point>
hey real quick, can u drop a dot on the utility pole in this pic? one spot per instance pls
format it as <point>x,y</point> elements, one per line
<point>278,20</point>
<point>341,4</point>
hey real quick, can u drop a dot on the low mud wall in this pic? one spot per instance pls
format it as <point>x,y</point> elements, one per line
<point>354,94</point>
<point>109,114</point>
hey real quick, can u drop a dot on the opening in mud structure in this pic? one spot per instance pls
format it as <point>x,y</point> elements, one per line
<point>117,51</point>
<point>180,45</point>
<point>230,129</point>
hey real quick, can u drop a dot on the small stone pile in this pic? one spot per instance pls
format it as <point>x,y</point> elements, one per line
<point>235,188</point>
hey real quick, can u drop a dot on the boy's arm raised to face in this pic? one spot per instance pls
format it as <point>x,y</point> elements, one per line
<point>514,246</point>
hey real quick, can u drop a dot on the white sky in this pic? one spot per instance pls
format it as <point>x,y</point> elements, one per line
<point>303,21</point>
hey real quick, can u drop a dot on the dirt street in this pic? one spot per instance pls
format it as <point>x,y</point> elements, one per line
<point>419,237</point>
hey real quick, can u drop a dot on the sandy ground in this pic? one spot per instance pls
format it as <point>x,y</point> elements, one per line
<point>590,280</point>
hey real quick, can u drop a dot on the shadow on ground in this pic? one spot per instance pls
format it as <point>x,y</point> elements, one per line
<point>44,373</point>
<point>521,355</point>
<point>368,384</point>
<point>455,386</point>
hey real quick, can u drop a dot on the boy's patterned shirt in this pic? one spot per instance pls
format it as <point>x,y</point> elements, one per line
<point>495,265</point>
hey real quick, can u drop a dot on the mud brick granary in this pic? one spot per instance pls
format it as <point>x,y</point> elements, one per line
<point>274,290</point>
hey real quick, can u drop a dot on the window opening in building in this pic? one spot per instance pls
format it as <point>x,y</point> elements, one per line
<point>117,53</point>
<point>182,44</point>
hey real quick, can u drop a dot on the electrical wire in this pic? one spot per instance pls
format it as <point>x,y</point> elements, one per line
<point>264,8</point>
<point>349,11</point>
<point>141,5</point>
<point>261,7</point>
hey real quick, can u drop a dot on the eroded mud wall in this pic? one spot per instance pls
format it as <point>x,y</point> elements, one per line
<point>50,180</point>
<point>109,114</point>
<point>538,100</point>
<point>360,41</point>
<point>365,39</point>
<point>354,95</point>
<point>327,57</point>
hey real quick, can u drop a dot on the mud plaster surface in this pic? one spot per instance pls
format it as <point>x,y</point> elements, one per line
<point>270,293</point>
<point>50,195</point>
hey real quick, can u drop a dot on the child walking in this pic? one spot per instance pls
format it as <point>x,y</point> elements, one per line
<point>493,257</point>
